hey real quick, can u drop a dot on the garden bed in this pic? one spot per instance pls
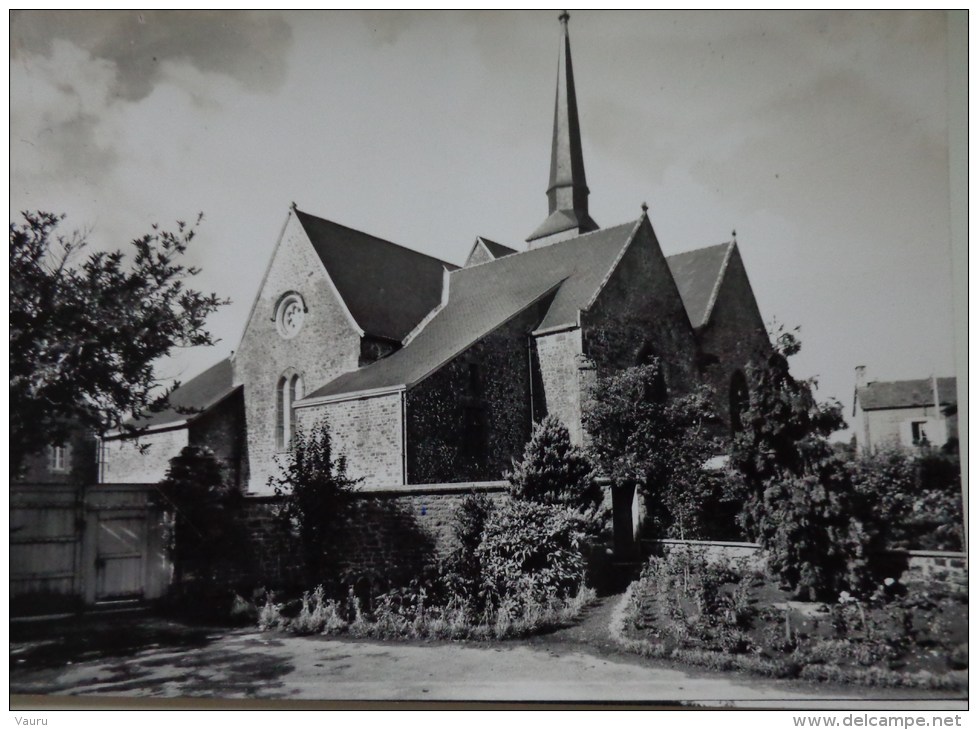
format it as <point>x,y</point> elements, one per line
<point>733,618</point>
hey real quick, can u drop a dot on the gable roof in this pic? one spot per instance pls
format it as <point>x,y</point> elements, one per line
<point>497,250</point>
<point>197,395</point>
<point>907,393</point>
<point>483,297</point>
<point>698,274</point>
<point>387,288</point>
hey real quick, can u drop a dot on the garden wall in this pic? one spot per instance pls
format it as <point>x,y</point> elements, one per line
<point>391,534</point>
<point>917,566</point>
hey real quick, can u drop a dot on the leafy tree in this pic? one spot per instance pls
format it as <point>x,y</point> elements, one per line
<point>204,538</point>
<point>314,485</point>
<point>799,502</point>
<point>554,471</point>
<point>85,334</point>
<point>639,435</point>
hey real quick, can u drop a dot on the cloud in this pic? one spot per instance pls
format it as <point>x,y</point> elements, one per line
<point>246,46</point>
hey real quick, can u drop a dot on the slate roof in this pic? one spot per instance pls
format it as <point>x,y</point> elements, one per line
<point>697,274</point>
<point>907,393</point>
<point>199,393</point>
<point>498,250</point>
<point>483,297</point>
<point>387,288</point>
<point>563,220</point>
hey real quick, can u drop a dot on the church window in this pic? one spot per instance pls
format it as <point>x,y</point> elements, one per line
<point>739,400</point>
<point>287,392</point>
<point>289,315</point>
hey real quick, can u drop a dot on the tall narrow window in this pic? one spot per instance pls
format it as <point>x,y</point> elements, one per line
<point>739,401</point>
<point>295,393</point>
<point>281,413</point>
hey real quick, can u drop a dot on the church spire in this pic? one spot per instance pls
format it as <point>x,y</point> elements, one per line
<point>567,193</point>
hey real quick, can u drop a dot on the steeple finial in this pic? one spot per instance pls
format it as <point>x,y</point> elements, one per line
<point>567,193</point>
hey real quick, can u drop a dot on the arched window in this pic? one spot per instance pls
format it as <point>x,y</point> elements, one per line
<point>287,392</point>
<point>739,400</point>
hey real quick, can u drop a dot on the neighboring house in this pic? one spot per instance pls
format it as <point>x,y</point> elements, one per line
<point>904,412</point>
<point>70,461</point>
<point>427,372</point>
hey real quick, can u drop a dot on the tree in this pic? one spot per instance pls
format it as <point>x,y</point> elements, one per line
<point>640,435</point>
<point>554,471</point>
<point>204,539</point>
<point>85,334</point>
<point>799,500</point>
<point>313,485</point>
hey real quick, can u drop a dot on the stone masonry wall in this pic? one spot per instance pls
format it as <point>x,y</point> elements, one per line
<point>491,377</point>
<point>222,431</point>
<point>734,336</point>
<point>560,358</point>
<point>639,314</point>
<point>368,432</point>
<point>326,345</point>
<point>390,537</point>
<point>123,462</point>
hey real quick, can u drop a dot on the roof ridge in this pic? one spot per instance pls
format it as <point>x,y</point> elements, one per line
<point>721,274</point>
<point>701,248</point>
<point>373,236</point>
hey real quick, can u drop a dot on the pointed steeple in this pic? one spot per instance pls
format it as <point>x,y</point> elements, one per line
<point>568,191</point>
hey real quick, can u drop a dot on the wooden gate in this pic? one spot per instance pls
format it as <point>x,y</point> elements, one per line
<point>72,546</point>
<point>45,548</point>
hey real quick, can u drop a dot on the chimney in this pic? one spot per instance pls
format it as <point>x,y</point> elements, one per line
<point>860,376</point>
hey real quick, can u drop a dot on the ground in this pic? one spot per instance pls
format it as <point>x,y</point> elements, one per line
<point>144,657</point>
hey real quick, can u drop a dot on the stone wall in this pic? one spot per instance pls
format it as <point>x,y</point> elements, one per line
<point>368,431</point>
<point>222,430</point>
<point>146,459</point>
<point>489,381</point>
<point>560,361</point>
<point>391,535</point>
<point>326,345</point>
<point>934,565</point>
<point>734,336</point>
<point>639,314</point>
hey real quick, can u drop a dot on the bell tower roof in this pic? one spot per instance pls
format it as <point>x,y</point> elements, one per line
<point>567,193</point>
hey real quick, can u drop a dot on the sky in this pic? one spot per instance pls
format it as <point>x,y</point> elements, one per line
<point>820,137</point>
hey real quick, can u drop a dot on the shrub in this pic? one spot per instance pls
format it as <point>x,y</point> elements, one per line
<point>554,471</point>
<point>204,539</point>
<point>530,552</point>
<point>313,485</point>
<point>640,435</point>
<point>463,569</point>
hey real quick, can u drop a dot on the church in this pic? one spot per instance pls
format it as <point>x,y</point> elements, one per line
<point>430,373</point>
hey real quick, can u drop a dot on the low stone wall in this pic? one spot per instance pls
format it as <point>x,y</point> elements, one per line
<point>716,550</point>
<point>935,565</point>
<point>917,566</point>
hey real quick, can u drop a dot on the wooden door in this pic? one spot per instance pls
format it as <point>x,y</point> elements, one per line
<point>120,555</point>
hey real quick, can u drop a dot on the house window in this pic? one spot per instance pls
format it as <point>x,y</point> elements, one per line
<point>918,432</point>
<point>287,392</point>
<point>58,460</point>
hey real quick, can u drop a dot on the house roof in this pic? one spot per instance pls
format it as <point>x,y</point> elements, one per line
<point>907,393</point>
<point>697,274</point>
<point>193,398</point>
<point>483,297</point>
<point>387,288</point>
